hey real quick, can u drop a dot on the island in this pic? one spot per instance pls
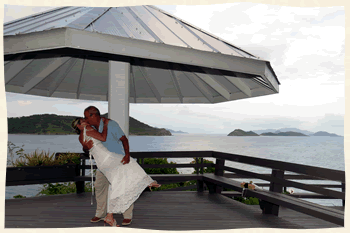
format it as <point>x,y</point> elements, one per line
<point>289,133</point>
<point>52,124</point>
<point>239,132</point>
<point>173,131</point>
<point>323,133</point>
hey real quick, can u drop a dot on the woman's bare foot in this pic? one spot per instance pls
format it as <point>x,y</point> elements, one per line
<point>154,185</point>
<point>110,220</point>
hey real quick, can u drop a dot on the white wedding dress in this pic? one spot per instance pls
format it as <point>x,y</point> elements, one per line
<point>127,181</point>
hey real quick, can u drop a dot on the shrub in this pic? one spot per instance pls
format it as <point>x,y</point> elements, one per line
<point>46,159</point>
<point>65,188</point>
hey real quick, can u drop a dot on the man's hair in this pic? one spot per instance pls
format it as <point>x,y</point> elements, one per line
<point>92,110</point>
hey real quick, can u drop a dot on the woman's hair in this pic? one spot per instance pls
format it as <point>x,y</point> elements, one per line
<point>75,125</point>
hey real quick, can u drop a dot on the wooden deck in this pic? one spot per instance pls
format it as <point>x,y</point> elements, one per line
<point>156,211</point>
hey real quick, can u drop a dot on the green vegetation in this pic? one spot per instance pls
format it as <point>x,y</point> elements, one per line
<point>45,159</point>
<point>61,125</point>
<point>239,132</point>
<point>65,188</point>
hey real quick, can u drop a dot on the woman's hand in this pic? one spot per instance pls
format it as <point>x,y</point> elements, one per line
<point>84,124</point>
<point>105,120</point>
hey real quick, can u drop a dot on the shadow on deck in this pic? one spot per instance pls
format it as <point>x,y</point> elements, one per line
<point>171,210</point>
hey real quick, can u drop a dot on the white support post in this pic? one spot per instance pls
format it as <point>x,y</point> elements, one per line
<point>118,94</point>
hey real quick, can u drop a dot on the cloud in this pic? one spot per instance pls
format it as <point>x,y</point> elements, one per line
<point>23,103</point>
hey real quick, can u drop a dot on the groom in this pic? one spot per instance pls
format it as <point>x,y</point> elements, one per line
<point>116,142</point>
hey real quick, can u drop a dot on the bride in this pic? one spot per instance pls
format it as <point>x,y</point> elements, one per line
<point>127,182</point>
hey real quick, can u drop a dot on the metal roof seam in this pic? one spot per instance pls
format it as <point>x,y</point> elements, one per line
<point>54,70</point>
<point>132,77</point>
<point>261,83</point>
<point>133,14</point>
<point>168,28</point>
<point>81,77</point>
<point>42,23</point>
<point>194,34</point>
<point>148,80</point>
<point>209,34</point>
<point>99,16</point>
<point>64,76</point>
<point>209,97</point>
<point>35,15</point>
<point>175,81</point>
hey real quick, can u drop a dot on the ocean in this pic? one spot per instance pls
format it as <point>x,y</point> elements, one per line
<point>326,152</point>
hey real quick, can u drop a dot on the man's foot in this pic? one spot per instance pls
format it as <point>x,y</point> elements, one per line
<point>126,222</point>
<point>96,219</point>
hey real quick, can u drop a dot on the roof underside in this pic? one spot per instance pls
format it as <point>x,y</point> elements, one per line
<point>152,80</point>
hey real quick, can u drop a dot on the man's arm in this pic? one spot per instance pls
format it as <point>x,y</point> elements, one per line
<point>95,134</point>
<point>125,142</point>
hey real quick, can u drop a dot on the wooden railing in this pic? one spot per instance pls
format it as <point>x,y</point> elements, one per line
<point>277,177</point>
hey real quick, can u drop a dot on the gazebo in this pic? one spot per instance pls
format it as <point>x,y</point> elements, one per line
<point>137,54</point>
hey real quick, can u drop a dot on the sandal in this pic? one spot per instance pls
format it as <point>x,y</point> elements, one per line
<point>109,221</point>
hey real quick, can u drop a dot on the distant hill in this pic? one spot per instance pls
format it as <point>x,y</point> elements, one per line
<point>306,132</point>
<point>290,133</point>
<point>52,124</point>
<point>323,133</point>
<point>173,131</point>
<point>283,130</point>
<point>239,132</point>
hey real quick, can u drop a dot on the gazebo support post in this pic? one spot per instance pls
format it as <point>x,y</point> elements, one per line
<point>118,94</point>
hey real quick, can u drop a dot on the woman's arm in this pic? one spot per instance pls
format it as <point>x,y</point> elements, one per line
<point>95,134</point>
<point>86,145</point>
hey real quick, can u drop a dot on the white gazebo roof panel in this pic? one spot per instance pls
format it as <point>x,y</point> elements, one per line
<point>30,71</point>
<point>142,88</point>
<point>188,89</point>
<point>134,27</point>
<point>94,79</point>
<point>56,19</point>
<point>202,86</point>
<point>90,15</point>
<point>154,26</point>
<point>161,80</point>
<point>71,82</point>
<point>253,84</point>
<point>52,81</point>
<point>218,45</point>
<point>182,32</point>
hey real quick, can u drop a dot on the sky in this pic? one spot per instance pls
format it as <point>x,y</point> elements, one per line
<point>306,48</point>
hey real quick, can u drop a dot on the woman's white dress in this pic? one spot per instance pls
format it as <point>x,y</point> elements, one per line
<point>127,182</point>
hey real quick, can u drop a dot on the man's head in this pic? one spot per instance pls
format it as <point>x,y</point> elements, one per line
<point>92,116</point>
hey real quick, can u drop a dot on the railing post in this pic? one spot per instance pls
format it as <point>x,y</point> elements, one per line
<point>219,172</point>
<point>343,190</point>
<point>80,185</point>
<point>200,185</point>
<point>267,207</point>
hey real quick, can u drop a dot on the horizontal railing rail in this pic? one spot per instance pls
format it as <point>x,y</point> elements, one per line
<point>325,173</point>
<point>305,172</point>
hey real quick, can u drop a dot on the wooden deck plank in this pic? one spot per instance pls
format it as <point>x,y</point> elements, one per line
<point>170,210</point>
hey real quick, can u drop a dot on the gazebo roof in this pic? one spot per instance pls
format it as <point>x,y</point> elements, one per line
<point>64,53</point>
